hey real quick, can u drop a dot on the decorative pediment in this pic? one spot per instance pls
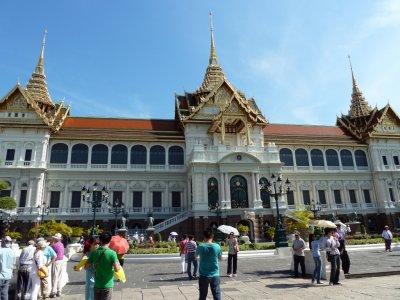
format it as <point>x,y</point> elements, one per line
<point>305,185</point>
<point>321,185</point>
<point>352,185</point>
<point>117,185</point>
<point>56,185</point>
<point>138,185</point>
<point>176,186</point>
<point>388,123</point>
<point>239,158</point>
<point>157,185</point>
<point>336,185</point>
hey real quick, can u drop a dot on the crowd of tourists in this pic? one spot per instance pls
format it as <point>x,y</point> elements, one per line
<point>41,268</point>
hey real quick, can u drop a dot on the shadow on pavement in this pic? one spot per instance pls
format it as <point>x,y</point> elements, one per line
<point>275,274</point>
<point>77,283</point>
<point>173,279</point>
<point>288,285</point>
<point>166,274</point>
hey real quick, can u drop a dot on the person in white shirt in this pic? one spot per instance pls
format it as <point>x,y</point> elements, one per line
<point>332,245</point>
<point>387,236</point>
<point>315,249</point>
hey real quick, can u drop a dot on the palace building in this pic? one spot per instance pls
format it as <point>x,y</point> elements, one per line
<point>205,166</point>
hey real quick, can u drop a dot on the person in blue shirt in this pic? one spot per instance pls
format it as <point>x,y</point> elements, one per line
<point>49,258</point>
<point>209,254</point>
<point>7,264</point>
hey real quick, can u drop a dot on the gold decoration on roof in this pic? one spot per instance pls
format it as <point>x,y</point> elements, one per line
<point>37,86</point>
<point>359,106</point>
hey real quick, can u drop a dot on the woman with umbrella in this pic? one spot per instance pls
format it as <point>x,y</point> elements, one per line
<point>120,245</point>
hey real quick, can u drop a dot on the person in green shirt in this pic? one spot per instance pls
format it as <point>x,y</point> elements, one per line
<point>210,254</point>
<point>104,263</point>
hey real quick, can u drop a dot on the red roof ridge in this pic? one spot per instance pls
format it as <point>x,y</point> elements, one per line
<point>303,125</point>
<point>120,118</point>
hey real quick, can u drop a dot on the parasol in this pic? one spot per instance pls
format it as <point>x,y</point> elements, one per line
<point>228,229</point>
<point>119,244</point>
<point>173,233</point>
<point>322,223</point>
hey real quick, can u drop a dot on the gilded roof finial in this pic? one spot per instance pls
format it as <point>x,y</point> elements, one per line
<point>213,54</point>
<point>40,66</point>
<point>359,106</point>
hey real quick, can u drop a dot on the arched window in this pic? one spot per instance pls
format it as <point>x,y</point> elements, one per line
<point>212,186</point>
<point>265,198</point>
<point>317,158</point>
<point>157,155</point>
<point>301,158</point>
<point>239,197</point>
<point>361,158</point>
<point>332,159</point>
<point>286,156</point>
<point>79,154</point>
<point>346,158</point>
<point>100,154</point>
<point>119,154</point>
<point>138,155</point>
<point>59,153</point>
<point>175,155</point>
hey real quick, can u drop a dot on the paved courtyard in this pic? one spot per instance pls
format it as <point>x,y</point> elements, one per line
<point>258,278</point>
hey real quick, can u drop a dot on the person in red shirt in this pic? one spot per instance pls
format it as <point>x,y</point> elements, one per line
<point>182,246</point>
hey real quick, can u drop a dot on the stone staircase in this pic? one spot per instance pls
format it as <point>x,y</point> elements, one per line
<point>171,221</point>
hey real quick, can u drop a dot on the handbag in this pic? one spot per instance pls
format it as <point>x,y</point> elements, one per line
<point>43,271</point>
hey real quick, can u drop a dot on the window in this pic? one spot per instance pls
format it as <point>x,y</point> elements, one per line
<point>361,158</point>
<point>352,196</point>
<point>175,155</point>
<point>97,196</point>
<point>157,155</point>
<point>5,193</point>
<point>100,154</point>
<point>346,158</point>
<point>321,197</point>
<point>367,196</point>
<point>10,154</point>
<point>119,155</point>
<point>290,198</point>
<point>76,199</point>
<point>317,158</point>
<point>212,187</point>
<point>301,158</point>
<point>117,199</point>
<point>28,154</point>
<point>59,154</point>
<point>157,199</point>
<point>138,155</point>
<point>265,198</point>
<point>22,198</point>
<point>16,115</point>
<point>332,159</point>
<point>55,199</point>
<point>384,159</point>
<point>79,154</point>
<point>137,199</point>
<point>338,197</point>
<point>306,197</point>
<point>176,199</point>
<point>286,156</point>
<point>391,195</point>
<point>396,160</point>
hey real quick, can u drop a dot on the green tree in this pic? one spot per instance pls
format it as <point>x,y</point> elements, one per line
<point>6,203</point>
<point>298,220</point>
<point>50,228</point>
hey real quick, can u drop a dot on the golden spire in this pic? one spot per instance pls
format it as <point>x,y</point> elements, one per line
<point>359,106</point>
<point>37,86</point>
<point>214,72</point>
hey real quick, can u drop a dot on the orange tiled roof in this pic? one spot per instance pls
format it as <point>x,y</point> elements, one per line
<point>114,123</point>
<point>303,130</point>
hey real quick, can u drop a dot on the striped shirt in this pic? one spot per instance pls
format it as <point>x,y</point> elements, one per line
<point>190,247</point>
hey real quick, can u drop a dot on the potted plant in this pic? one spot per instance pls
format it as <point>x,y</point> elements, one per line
<point>244,231</point>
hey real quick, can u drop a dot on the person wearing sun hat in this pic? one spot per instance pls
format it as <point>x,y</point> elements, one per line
<point>56,271</point>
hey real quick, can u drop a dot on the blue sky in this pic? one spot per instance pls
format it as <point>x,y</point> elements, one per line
<point>128,58</point>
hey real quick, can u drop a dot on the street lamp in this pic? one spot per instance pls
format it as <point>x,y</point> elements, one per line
<point>117,208</point>
<point>96,196</point>
<point>315,207</point>
<point>277,188</point>
<point>216,209</point>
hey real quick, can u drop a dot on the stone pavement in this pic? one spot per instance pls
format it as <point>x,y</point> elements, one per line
<point>272,288</point>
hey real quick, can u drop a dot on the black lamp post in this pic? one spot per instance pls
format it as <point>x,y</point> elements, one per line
<point>216,209</point>
<point>95,199</point>
<point>315,207</point>
<point>117,208</point>
<point>277,188</point>
<point>43,210</point>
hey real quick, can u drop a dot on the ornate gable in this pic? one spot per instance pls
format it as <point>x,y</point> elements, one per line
<point>387,123</point>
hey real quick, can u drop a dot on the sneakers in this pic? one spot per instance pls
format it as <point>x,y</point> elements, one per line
<point>234,275</point>
<point>58,294</point>
<point>320,282</point>
<point>230,275</point>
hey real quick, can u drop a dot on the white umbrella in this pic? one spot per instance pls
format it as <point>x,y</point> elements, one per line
<point>322,223</point>
<point>173,233</point>
<point>228,229</point>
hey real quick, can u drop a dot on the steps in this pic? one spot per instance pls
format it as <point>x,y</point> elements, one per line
<point>171,222</point>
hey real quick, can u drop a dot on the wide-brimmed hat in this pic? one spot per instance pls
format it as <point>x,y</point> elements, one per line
<point>57,236</point>
<point>41,244</point>
<point>7,240</point>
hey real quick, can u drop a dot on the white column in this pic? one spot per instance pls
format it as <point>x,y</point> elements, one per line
<point>253,190</point>
<point>90,156</point>
<point>147,197</point>
<point>221,187</point>
<point>109,157</point>
<point>65,203</point>
<point>258,187</point>
<point>127,202</point>
<point>167,201</point>
<point>69,154</point>
<point>227,192</point>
